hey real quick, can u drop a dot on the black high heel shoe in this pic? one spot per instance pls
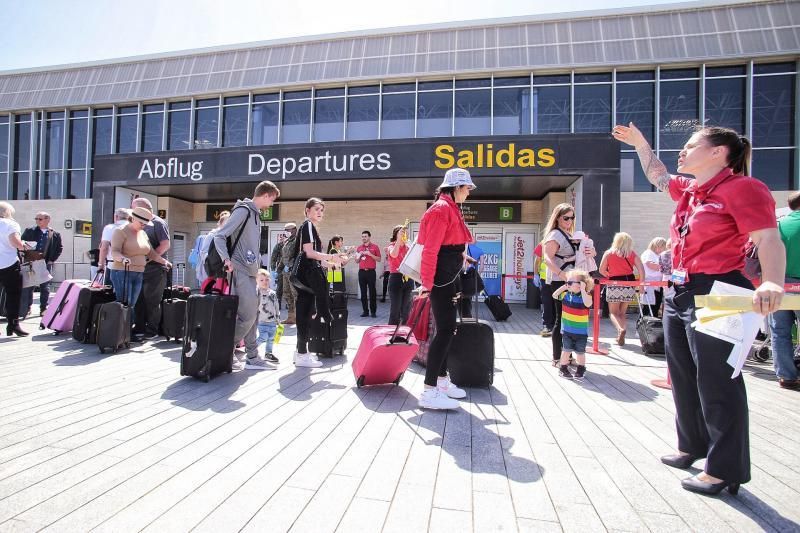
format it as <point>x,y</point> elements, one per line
<point>682,461</point>
<point>13,328</point>
<point>693,484</point>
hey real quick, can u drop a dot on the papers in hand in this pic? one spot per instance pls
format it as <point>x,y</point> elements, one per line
<point>736,326</point>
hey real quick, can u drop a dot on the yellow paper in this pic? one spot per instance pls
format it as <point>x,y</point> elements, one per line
<point>790,302</point>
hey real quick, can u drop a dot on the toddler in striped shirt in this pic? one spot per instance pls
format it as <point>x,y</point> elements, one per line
<point>575,303</point>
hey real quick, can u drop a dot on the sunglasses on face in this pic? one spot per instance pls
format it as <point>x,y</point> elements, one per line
<point>38,219</point>
<point>573,282</point>
<point>568,218</point>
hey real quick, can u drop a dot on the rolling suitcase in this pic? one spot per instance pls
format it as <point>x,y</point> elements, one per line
<point>88,299</point>
<point>384,355</point>
<point>208,335</point>
<point>60,315</point>
<point>470,359</point>
<point>173,312</point>
<point>651,332</point>
<point>326,339</point>
<point>498,307</point>
<point>111,324</point>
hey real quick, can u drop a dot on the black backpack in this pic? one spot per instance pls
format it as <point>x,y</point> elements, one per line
<point>215,266</point>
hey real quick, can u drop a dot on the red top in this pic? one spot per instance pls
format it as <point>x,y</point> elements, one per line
<point>441,225</point>
<point>720,214</point>
<point>366,261</point>
<point>618,266</point>
<point>394,262</point>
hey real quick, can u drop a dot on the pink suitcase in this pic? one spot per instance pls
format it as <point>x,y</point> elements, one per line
<point>60,313</point>
<point>384,355</point>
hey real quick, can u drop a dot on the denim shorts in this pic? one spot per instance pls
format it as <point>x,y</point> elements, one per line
<point>572,342</point>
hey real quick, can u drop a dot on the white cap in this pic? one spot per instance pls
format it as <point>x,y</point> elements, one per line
<point>456,177</point>
<point>578,236</point>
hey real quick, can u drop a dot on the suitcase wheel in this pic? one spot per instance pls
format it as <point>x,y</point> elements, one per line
<point>399,378</point>
<point>762,354</point>
<point>206,378</point>
<point>177,341</point>
<point>167,337</point>
<point>127,344</point>
<point>41,326</point>
<point>102,350</point>
<point>360,381</point>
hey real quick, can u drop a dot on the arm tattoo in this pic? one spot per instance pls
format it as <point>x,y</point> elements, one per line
<point>654,169</point>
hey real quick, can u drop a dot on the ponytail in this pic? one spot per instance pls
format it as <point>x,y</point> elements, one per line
<point>739,147</point>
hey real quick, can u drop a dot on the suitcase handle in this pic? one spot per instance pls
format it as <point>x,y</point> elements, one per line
<point>393,339</point>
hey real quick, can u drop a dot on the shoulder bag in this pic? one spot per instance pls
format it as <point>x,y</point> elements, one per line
<point>411,265</point>
<point>214,264</point>
<point>294,266</point>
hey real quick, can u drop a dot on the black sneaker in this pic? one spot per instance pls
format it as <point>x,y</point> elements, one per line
<point>149,336</point>
<point>564,372</point>
<point>271,358</point>
<point>364,314</point>
<point>580,372</point>
<point>373,315</point>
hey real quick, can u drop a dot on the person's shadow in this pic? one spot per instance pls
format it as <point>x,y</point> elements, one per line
<point>196,395</point>
<point>298,386</point>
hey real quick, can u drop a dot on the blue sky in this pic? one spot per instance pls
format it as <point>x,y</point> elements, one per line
<point>53,32</point>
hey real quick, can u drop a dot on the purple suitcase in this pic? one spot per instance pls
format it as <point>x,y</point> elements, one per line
<point>60,313</point>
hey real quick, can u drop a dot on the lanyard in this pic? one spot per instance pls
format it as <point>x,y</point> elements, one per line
<point>694,204</point>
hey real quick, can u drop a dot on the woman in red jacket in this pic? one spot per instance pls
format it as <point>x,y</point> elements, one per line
<point>716,212</point>
<point>444,235</point>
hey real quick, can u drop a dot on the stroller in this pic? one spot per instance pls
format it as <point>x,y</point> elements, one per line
<point>761,351</point>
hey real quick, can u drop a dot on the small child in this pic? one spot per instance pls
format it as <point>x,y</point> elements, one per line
<point>575,304</point>
<point>268,313</point>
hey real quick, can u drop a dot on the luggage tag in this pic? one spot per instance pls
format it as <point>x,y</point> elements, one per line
<point>679,276</point>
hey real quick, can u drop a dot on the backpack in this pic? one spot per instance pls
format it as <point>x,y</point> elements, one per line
<point>215,266</point>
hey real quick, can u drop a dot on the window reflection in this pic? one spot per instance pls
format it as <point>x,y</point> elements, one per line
<point>434,114</point>
<point>296,121</point>
<point>152,131</point>
<point>178,130</point>
<point>473,112</point>
<point>512,114</point>
<point>636,103</point>
<point>206,127</point>
<point>679,113</point>
<point>725,103</point>
<point>265,124</point>
<point>775,168</point>
<point>773,110</point>
<point>329,119</point>
<point>592,108</point>
<point>397,117</point>
<point>362,117</point>
<point>550,109</point>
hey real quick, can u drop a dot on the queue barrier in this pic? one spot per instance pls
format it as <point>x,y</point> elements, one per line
<point>512,276</point>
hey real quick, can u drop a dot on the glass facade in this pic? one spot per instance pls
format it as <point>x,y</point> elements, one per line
<point>49,153</point>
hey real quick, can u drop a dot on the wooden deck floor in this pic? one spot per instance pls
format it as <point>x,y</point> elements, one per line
<point>123,443</point>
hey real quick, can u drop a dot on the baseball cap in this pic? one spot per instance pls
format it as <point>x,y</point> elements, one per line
<point>456,177</point>
<point>289,225</point>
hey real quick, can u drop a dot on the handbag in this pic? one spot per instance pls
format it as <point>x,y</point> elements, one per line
<point>411,265</point>
<point>294,267</point>
<point>35,273</point>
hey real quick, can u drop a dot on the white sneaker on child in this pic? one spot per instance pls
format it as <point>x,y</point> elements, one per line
<point>446,386</point>
<point>256,363</point>
<point>436,399</point>
<point>306,360</point>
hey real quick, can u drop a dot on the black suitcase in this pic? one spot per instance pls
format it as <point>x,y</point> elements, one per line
<point>499,308</point>
<point>88,299</point>
<point>327,339</point>
<point>208,335</point>
<point>173,318</point>
<point>338,300</point>
<point>111,326</point>
<point>651,332</point>
<point>176,293</point>
<point>470,359</point>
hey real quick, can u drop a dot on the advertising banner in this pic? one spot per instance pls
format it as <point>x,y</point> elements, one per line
<point>518,257</point>
<point>490,265</point>
<point>575,198</point>
<point>124,196</point>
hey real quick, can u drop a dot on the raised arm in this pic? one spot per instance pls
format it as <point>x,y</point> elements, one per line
<point>654,170</point>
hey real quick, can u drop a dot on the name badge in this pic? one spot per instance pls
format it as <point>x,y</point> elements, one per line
<point>679,276</point>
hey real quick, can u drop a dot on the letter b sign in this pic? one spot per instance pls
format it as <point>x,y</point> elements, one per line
<point>506,214</point>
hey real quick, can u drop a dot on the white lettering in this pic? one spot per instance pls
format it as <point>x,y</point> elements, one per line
<point>145,168</point>
<point>384,161</point>
<point>274,165</point>
<point>367,162</point>
<point>171,169</point>
<point>286,161</point>
<point>250,160</point>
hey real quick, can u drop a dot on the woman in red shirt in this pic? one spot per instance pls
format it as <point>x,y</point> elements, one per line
<point>400,287</point>
<point>619,263</point>
<point>716,212</point>
<point>444,235</point>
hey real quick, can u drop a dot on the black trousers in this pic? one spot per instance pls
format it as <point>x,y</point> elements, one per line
<point>443,307</point>
<point>385,283</point>
<point>11,280</point>
<point>711,408</point>
<point>309,304</point>
<point>654,308</point>
<point>548,306</point>
<point>366,283</point>
<point>148,306</point>
<point>399,298</point>
<point>556,337</point>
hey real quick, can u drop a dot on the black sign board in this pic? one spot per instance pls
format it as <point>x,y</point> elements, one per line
<point>491,212</point>
<point>213,211</point>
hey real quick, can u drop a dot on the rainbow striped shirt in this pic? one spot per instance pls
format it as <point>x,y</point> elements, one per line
<point>574,314</point>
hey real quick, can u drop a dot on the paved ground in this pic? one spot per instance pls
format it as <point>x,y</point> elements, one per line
<point>123,443</point>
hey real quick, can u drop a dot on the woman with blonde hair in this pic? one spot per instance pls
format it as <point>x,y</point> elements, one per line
<point>559,254</point>
<point>10,276</point>
<point>652,272</point>
<point>619,263</point>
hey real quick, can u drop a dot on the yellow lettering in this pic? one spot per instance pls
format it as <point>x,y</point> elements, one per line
<point>466,159</point>
<point>505,158</point>
<point>547,157</point>
<point>489,155</point>
<point>527,158</point>
<point>444,155</point>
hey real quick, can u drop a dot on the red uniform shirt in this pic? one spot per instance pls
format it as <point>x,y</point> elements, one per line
<point>719,215</point>
<point>441,225</point>
<point>620,266</point>
<point>394,262</point>
<point>366,262</point>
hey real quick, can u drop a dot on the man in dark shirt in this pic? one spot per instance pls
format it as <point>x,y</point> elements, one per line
<point>148,306</point>
<point>48,243</point>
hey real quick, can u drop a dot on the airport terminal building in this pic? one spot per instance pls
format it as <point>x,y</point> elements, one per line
<point>370,121</point>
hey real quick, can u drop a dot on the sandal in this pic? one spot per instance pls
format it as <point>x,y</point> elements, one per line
<point>621,338</point>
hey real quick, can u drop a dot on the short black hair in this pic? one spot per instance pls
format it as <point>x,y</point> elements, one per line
<point>794,201</point>
<point>367,232</point>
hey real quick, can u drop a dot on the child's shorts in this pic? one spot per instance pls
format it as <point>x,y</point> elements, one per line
<point>572,342</point>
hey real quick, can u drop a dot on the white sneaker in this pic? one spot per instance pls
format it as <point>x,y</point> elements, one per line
<point>435,399</point>
<point>306,361</point>
<point>237,367</point>
<point>446,386</point>
<point>256,363</point>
